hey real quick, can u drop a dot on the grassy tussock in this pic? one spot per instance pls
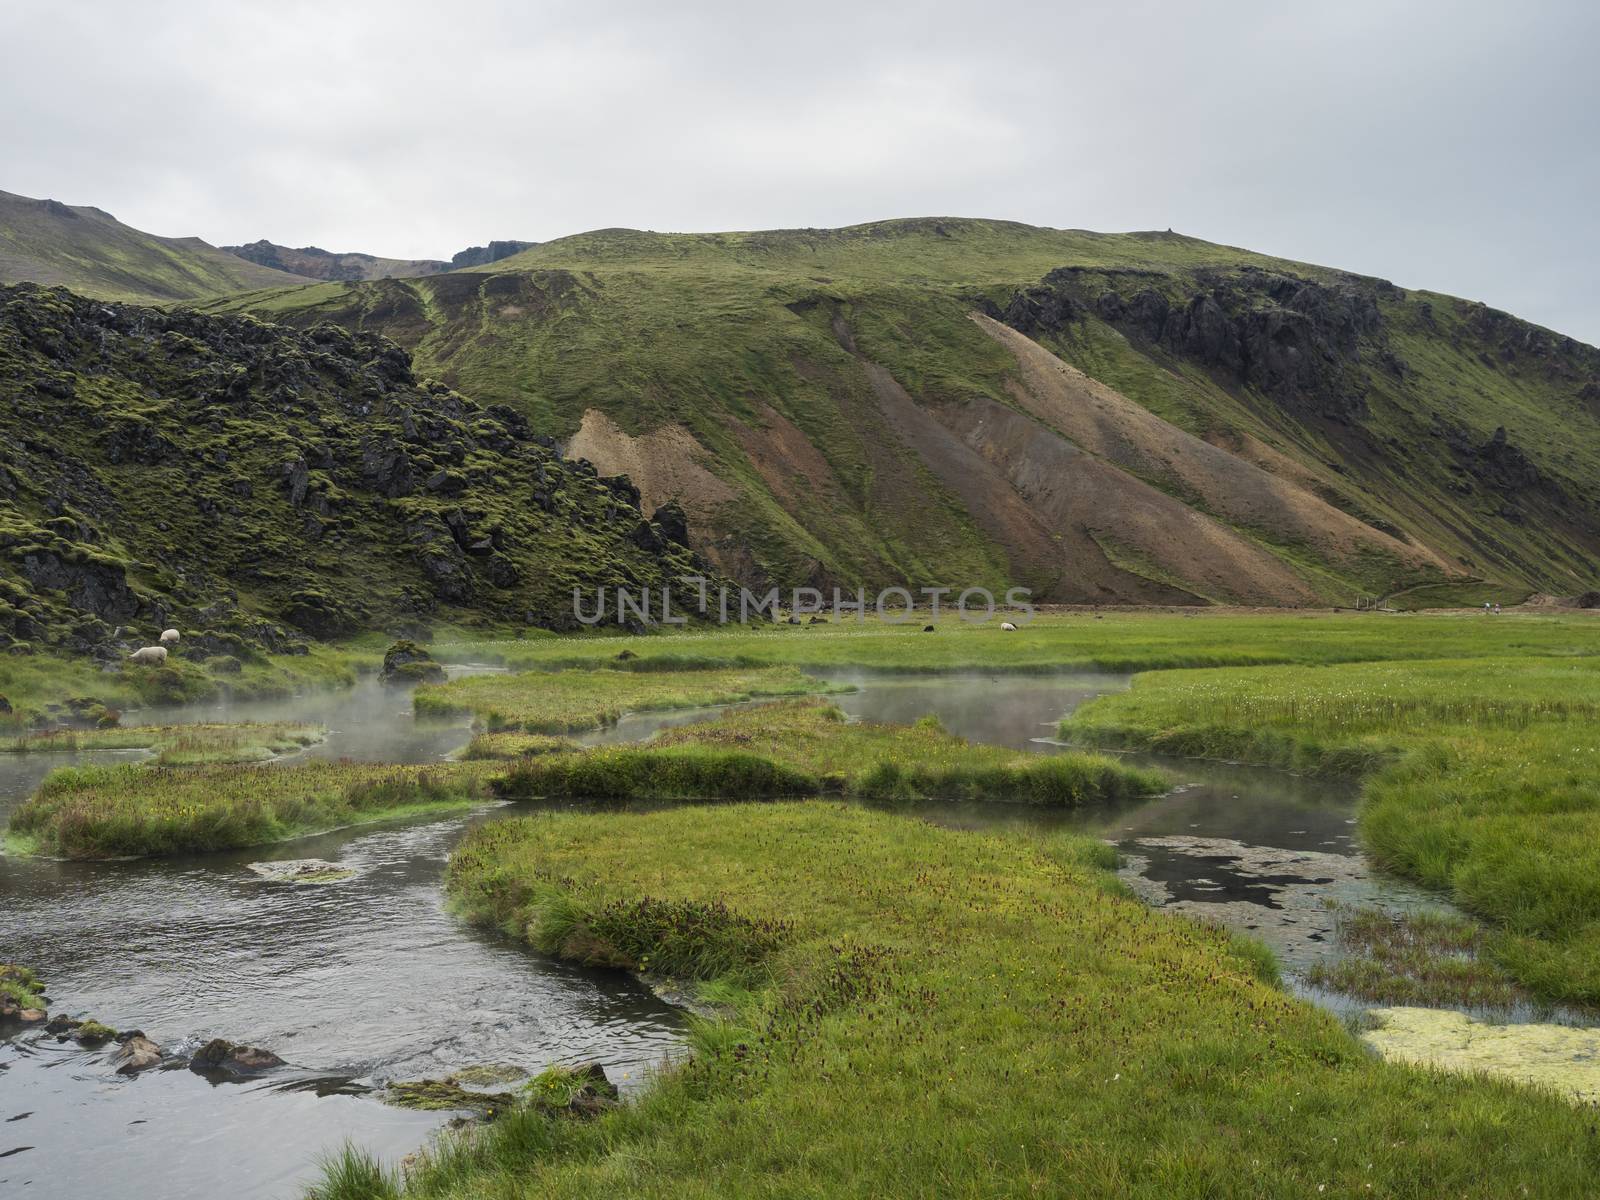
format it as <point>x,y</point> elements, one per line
<point>135,809</point>
<point>571,701</point>
<point>805,747</point>
<point>176,745</point>
<point>21,986</point>
<point>623,773</point>
<point>1432,959</point>
<point>1491,792</point>
<point>502,746</point>
<point>926,1012</point>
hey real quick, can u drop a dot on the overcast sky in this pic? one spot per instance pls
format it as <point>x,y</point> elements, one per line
<point>1444,145</point>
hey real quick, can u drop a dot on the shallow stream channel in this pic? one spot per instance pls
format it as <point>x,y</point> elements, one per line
<point>369,979</point>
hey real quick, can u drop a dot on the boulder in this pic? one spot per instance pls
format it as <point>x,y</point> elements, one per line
<point>93,1033</point>
<point>407,662</point>
<point>137,1053</point>
<point>672,522</point>
<point>220,1055</point>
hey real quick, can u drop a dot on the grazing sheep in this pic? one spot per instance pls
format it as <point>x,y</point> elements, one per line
<point>170,637</point>
<point>1008,626</point>
<point>149,656</point>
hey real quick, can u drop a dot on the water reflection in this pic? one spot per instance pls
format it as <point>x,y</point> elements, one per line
<point>353,983</point>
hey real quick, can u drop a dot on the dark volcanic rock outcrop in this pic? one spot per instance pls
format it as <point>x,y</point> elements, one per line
<point>1296,340</point>
<point>482,256</point>
<point>256,484</point>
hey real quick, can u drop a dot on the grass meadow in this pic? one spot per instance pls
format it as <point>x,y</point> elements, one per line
<point>573,701</point>
<point>1128,640</point>
<point>915,1011</point>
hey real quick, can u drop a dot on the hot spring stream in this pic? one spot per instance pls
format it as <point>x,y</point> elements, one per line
<point>369,979</point>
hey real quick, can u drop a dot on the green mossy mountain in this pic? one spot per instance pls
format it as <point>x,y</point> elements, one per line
<point>256,485</point>
<point>93,253</point>
<point>1108,418</point>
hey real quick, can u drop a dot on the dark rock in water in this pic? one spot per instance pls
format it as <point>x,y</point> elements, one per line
<point>63,1025</point>
<point>93,1033</point>
<point>10,1010</point>
<point>136,1054</point>
<point>407,662</point>
<point>220,1055</point>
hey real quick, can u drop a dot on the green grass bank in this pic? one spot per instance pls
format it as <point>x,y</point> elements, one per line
<point>806,747</point>
<point>1483,779</point>
<point>922,1012</point>
<point>572,701</point>
<point>135,809</point>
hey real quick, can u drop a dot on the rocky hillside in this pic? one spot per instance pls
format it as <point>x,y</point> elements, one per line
<point>310,262</point>
<point>1107,418</point>
<point>482,256</point>
<point>257,486</point>
<point>90,251</point>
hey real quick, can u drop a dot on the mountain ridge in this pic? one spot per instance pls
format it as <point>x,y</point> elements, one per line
<point>754,374</point>
<point>312,262</point>
<point>87,249</point>
<point>1107,418</point>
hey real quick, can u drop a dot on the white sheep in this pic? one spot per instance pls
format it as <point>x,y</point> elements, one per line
<point>1008,626</point>
<point>149,655</point>
<point>170,637</point>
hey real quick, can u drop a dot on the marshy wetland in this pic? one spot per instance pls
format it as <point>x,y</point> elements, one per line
<point>910,948</point>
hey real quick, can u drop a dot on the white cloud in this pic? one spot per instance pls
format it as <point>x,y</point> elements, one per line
<point>1446,145</point>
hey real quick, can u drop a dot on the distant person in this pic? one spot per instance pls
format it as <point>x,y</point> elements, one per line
<point>1497,610</point>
